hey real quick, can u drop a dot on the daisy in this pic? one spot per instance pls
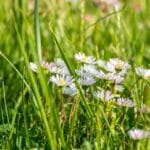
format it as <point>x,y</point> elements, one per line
<point>60,62</point>
<point>81,57</point>
<point>144,73</point>
<point>58,67</point>
<point>101,75</point>
<point>87,70</point>
<point>86,80</point>
<point>33,67</point>
<point>90,70</point>
<point>119,88</point>
<point>101,63</point>
<point>53,68</point>
<point>114,78</point>
<point>45,65</point>
<point>104,95</point>
<point>138,134</point>
<point>62,80</point>
<point>125,102</point>
<point>70,90</point>
<point>65,71</point>
<point>116,65</point>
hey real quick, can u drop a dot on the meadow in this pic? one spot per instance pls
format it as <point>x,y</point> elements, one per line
<point>75,75</point>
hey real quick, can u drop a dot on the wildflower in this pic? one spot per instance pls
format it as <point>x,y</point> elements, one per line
<point>117,66</point>
<point>65,71</point>
<point>61,80</point>
<point>58,67</point>
<point>114,78</point>
<point>144,73</point>
<point>125,102</point>
<point>87,70</point>
<point>45,65</point>
<point>86,80</point>
<point>33,66</point>
<point>104,95</point>
<point>101,75</point>
<point>101,63</point>
<point>59,62</point>
<point>53,68</point>
<point>70,90</point>
<point>138,134</point>
<point>119,88</point>
<point>81,57</point>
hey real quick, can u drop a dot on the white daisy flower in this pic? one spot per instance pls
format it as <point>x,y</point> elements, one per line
<point>81,57</point>
<point>101,63</point>
<point>90,69</point>
<point>144,73</point>
<point>62,80</point>
<point>58,67</point>
<point>53,68</point>
<point>101,75</point>
<point>119,88</point>
<point>33,66</point>
<point>87,70</point>
<point>86,80</point>
<point>125,102</point>
<point>104,95</point>
<point>60,62</point>
<point>70,90</point>
<point>65,71</point>
<point>114,78</point>
<point>138,134</point>
<point>45,65</point>
<point>116,65</point>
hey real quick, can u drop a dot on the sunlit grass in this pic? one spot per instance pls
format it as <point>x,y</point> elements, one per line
<point>37,111</point>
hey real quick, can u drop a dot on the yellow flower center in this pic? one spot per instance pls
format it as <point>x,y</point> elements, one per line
<point>62,81</point>
<point>119,66</point>
<point>85,59</point>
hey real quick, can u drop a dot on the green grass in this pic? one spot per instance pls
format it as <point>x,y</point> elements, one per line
<point>31,107</point>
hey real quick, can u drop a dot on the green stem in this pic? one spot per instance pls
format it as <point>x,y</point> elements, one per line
<point>82,25</point>
<point>5,104</point>
<point>45,89</point>
<point>37,30</point>
<point>36,92</point>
